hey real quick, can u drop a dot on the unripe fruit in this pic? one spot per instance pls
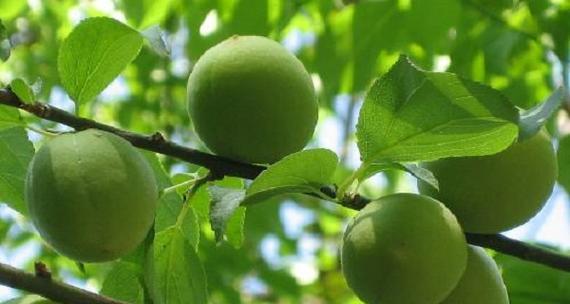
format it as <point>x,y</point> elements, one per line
<point>481,282</point>
<point>494,193</point>
<point>251,100</point>
<point>403,249</point>
<point>91,195</point>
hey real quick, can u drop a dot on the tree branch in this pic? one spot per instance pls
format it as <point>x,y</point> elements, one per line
<point>521,250</point>
<point>50,289</point>
<point>221,167</point>
<point>154,142</point>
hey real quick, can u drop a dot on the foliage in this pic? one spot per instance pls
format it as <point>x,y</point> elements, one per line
<point>479,59</point>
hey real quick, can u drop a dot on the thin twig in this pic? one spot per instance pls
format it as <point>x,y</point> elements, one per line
<point>49,288</point>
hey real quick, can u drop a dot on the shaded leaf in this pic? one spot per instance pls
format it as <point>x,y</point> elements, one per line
<point>5,46</point>
<point>412,115</point>
<point>22,90</point>
<point>178,275</point>
<point>96,52</point>
<point>532,120</point>
<point>16,152</point>
<point>305,171</point>
<point>156,38</point>
<point>9,118</point>
<point>124,282</point>
<point>224,204</point>
<point>416,171</point>
<point>169,207</point>
<point>531,283</point>
<point>421,174</point>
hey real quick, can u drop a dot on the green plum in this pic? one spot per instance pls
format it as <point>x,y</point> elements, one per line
<point>403,249</point>
<point>481,283</point>
<point>494,193</point>
<point>91,195</point>
<point>252,100</point>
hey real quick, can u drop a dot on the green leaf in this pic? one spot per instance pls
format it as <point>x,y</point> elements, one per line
<point>235,227</point>
<point>124,282</point>
<point>22,90</point>
<point>416,171</point>
<point>225,202</point>
<point>421,173</point>
<point>178,275</point>
<point>16,151</point>
<point>564,163</point>
<point>531,283</point>
<point>156,38</point>
<point>96,52</point>
<point>305,171</point>
<point>9,118</point>
<point>5,45</point>
<point>145,13</point>
<point>532,120</point>
<point>11,8</point>
<point>29,299</point>
<point>412,115</point>
<point>170,206</point>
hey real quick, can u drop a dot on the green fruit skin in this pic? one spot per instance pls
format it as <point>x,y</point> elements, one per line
<point>403,249</point>
<point>252,100</point>
<point>91,195</point>
<point>494,193</point>
<point>481,283</point>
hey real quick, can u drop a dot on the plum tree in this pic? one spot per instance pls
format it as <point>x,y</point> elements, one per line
<point>91,195</point>
<point>493,193</point>
<point>252,100</point>
<point>481,283</point>
<point>403,248</point>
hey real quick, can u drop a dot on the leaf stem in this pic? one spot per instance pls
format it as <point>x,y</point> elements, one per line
<point>173,188</point>
<point>345,185</point>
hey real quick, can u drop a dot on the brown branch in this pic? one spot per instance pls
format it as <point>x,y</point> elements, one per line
<point>222,166</point>
<point>521,250</point>
<point>155,142</point>
<point>50,289</point>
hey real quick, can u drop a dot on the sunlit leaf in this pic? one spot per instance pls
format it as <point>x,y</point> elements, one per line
<point>413,115</point>
<point>96,52</point>
<point>305,171</point>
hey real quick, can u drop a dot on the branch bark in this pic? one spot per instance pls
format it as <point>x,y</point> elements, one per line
<point>224,167</point>
<point>50,289</point>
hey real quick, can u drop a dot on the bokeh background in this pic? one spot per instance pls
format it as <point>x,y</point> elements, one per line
<point>290,254</point>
